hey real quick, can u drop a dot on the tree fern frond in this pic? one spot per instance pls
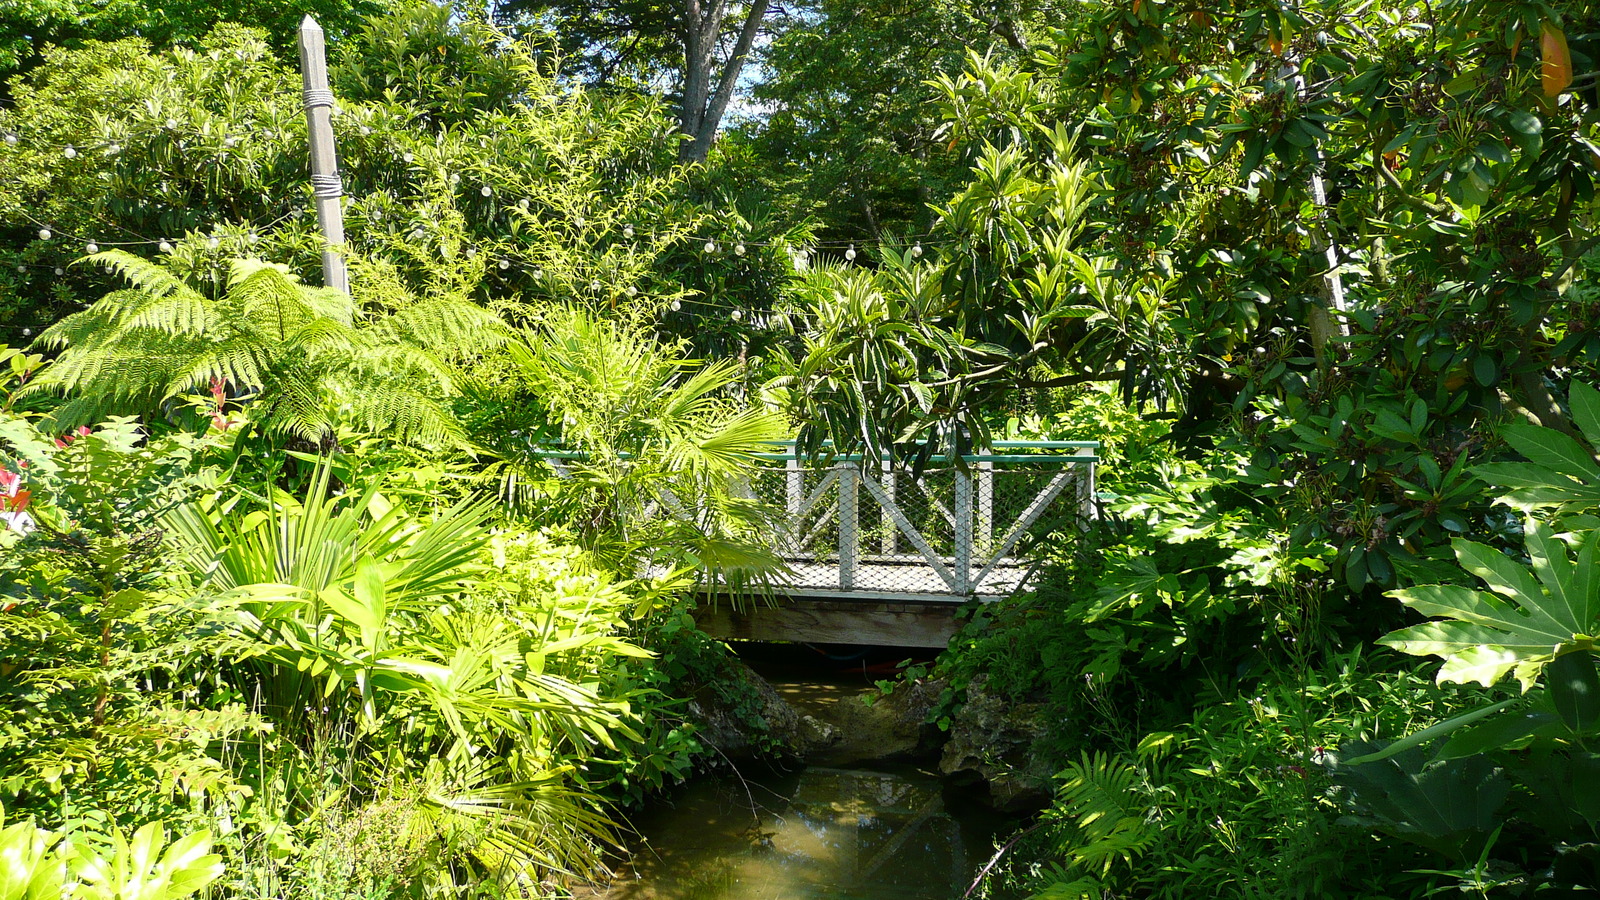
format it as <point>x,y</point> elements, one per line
<point>269,298</point>
<point>455,326</point>
<point>239,362</point>
<point>146,276</point>
<point>296,409</point>
<point>405,414</point>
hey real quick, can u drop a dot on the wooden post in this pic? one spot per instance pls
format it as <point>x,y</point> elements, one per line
<point>849,475</point>
<point>984,537</point>
<point>890,544</point>
<point>963,523</point>
<point>325,184</point>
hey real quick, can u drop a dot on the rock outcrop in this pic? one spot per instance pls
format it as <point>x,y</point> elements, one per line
<point>992,739</point>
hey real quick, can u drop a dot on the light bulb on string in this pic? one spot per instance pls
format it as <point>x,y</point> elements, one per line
<point>737,315</point>
<point>22,268</point>
<point>850,255</point>
<point>171,124</point>
<point>113,149</point>
<point>69,153</point>
<point>27,332</point>
<point>60,271</point>
<point>738,249</point>
<point>164,247</point>
<point>407,156</point>
<point>578,221</point>
<point>594,287</point>
<point>253,238</point>
<point>676,306</point>
<point>11,139</point>
<point>711,246</point>
<point>455,178</point>
<point>523,204</point>
<point>91,247</point>
<point>627,231</point>
<point>633,291</point>
<point>504,264</point>
<point>538,274</point>
<point>365,130</point>
<point>230,141</point>
<point>213,243</point>
<point>45,234</point>
<point>916,250</point>
<point>486,191</point>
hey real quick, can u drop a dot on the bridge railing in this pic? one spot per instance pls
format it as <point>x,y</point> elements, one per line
<point>952,532</point>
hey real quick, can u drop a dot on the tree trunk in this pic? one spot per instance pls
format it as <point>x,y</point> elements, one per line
<point>703,110</point>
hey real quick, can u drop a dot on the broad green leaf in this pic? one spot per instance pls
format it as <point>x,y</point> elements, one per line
<point>370,594</point>
<point>1585,401</point>
<point>1483,637</point>
<point>1552,449</point>
<point>1574,687</point>
<point>1495,734</point>
<point>1431,733</point>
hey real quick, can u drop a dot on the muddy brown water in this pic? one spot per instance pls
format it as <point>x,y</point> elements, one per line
<point>862,831</point>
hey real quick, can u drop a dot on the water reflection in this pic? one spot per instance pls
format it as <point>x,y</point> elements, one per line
<point>834,833</point>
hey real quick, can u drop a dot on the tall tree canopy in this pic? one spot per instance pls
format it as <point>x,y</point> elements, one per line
<point>695,50</point>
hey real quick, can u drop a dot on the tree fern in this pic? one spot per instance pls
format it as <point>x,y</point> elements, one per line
<point>303,360</point>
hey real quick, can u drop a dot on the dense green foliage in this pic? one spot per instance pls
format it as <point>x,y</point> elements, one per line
<point>389,593</point>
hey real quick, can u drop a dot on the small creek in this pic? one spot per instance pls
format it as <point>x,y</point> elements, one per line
<point>844,830</point>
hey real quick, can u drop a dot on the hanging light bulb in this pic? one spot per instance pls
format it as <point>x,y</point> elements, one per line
<point>850,255</point>
<point>253,238</point>
<point>416,234</point>
<point>711,246</point>
<point>633,291</point>
<point>455,178</point>
<point>523,204</point>
<point>627,231</point>
<point>407,156</point>
<point>486,191</point>
<point>69,153</point>
<point>22,268</point>
<point>676,306</point>
<point>213,243</point>
<point>577,221</point>
<point>45,234</point>
<point>91,247</point>
<point>60,271</point>
<point>594,287</point>
<point>738,249</point>
<point>172,123</point>
<point>11,139</point>
<point>538,274</point>
<point>113,149</point>
<point>164,247</point>
<point>504,264</point>
<point>27,332</point>
<point>737,315</point>
<point>230,141</point>
<point>916,250</point>
<point>365,130</point>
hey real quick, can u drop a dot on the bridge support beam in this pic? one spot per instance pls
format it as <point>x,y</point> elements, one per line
<point>880,623</point>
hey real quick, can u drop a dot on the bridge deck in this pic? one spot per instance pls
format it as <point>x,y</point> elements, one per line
<point>910,581</point>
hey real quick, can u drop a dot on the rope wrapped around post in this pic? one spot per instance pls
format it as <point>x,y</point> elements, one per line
<point>326,186</point>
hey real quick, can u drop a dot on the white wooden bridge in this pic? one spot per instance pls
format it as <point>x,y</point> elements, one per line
<point>877,556</point>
